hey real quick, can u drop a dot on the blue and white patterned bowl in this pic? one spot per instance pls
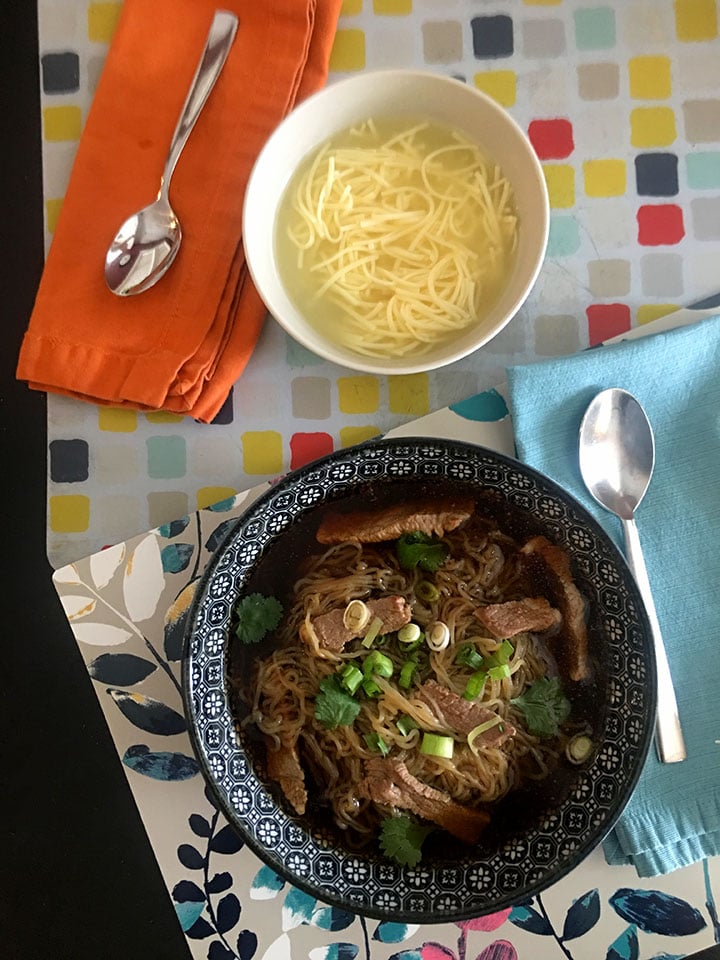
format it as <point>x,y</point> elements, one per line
<point>537,836</point>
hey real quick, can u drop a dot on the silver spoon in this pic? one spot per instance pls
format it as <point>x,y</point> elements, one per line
<point>617,457</point>
<point>147,243</point>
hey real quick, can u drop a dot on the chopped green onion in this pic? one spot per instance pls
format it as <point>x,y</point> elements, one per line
<point>375,742</point>
<point>410,647</point>
<point>483,728</point>
<point>427,591</point>
<point>406,724</point>
<point>578,748</point>
<point>356,616</point>
<point>351,677</point>
<point>475,685</point>
<point>371,688</point>
<point>468,656</point>
<point>377,664</point>
<point>373,631</point>
<point>501,656</point>
<point>438,636</point>
<point>436,745</point>
<point>406,674</point>
<point>501,672</point>
<point>409,633</point>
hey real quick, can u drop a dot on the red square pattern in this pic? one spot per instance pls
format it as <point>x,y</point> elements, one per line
<point>607,320</point>
<point>659,224</point>
<point>305,447</point>
<point>552,139</point>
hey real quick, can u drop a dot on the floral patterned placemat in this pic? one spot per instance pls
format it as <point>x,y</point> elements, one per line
<point>127,606</point>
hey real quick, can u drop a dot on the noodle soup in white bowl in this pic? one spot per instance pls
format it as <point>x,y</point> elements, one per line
<point>396,221</point>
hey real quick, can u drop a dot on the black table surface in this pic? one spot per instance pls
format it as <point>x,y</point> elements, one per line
<point>79,878</point>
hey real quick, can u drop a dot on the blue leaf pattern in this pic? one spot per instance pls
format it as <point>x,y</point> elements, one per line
<point>160,765</point>
<point>120,669</point>
<point>186,891</point>
<point>527,918</point>
<point>625,947</point>
<point>200,929</point>
<point>223,505</point>
<point>228,913</point>
<point>332,918</point>
<point>219,534</point>
<point>388,932</point>
<point>266,884</point>
<point>298,908</point>
<point>199,825</point>
<point>219,883</point>
<point>246,944</point>
<point>188,913</point>
<point>226,841</point>
<point>335,951</point>
<point>656,912</point>
<point>173,529</point>
<point>176,556</point>
<point>218,951</point>
<point>582,916</point>
<point>149,715</point>
<point>190,857</point>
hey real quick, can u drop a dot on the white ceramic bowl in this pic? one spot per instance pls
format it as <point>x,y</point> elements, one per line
<point>395,93</point>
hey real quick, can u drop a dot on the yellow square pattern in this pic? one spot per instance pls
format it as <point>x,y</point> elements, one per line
<point>52,212</point>
<point>501,85</point>
<point>653,311</point>
<point>348,52</point>
<point>352,435</point>
<point>117,419</point>
<point>650,78</point>
<point>163,416</point>
<point>262,451</point>
<point>605,178</point>
<point>350,8</point>
<point>358,394</point>
<point>62,123</point>
<point>207,496</point>
<point>652,127</point>
<point>392,8</point>
<point>560,179</point>
<point>102,20</point>
<point>69,514</point>
<point>696,20</point>
<point>409,394</point>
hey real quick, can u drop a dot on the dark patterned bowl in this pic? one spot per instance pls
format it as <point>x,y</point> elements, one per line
<point>538,834</point>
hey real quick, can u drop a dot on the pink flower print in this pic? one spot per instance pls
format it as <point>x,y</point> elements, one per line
<point>490,922</point>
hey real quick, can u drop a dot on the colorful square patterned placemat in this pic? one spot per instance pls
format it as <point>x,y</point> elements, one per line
<point>621,100</point>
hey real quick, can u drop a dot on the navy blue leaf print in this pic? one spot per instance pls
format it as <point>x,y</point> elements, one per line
<point>657,912</point>
<point>160,765</point>
<point>222,505</point>
<point>219,534</point>
<point>246,944</point>
<point>173,529</point>
<point>187,892</point>
<point>218,951</point>
<point>121,669</point>
<point>149,715</point>
<point>226,841</point>
<point>529,919</point>
<point>220,883</point>
<point>176,620</point>
<point>199,825</point>
<point>582,916</point>
<point>332,918</point>
<point>176,556</point>
<point>625,947</point>
<point>200,930</point>
<point>228,913</point>
<point>190,857</point>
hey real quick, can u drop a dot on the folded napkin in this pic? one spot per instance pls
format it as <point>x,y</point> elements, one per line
<point>181,345</point>
<point>673,816</point>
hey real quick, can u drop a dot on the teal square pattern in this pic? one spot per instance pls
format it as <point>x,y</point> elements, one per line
<point>166,457</point>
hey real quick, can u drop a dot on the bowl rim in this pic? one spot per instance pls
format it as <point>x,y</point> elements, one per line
<point>596,833</point>
<point>338,354</point>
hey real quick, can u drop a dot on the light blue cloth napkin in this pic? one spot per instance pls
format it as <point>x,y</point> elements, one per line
<point>673,816</point>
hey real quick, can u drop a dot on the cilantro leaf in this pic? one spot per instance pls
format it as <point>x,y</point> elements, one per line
<point>401,839</point>
<point>544,706</point>
<point>419,550</point>
<point>334,707</point>
<point>257,615</point>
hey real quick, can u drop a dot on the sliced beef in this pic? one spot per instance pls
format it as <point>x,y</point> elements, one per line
<point>530,615</point>
<point>389,782</point>
<point>433,516</point>
<point>462,715</point>
<point>548,566</point>
<point>283,766</point>
<point>332,633</point>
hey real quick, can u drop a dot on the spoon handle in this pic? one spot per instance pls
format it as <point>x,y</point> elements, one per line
<point>668,732</point>
<point>217,46</point>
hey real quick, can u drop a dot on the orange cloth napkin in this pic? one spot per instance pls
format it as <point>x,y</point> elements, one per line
<point>182,344</point>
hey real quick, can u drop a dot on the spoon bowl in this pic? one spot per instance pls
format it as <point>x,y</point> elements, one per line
<point>147,243</point>
<point>617,458</point>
